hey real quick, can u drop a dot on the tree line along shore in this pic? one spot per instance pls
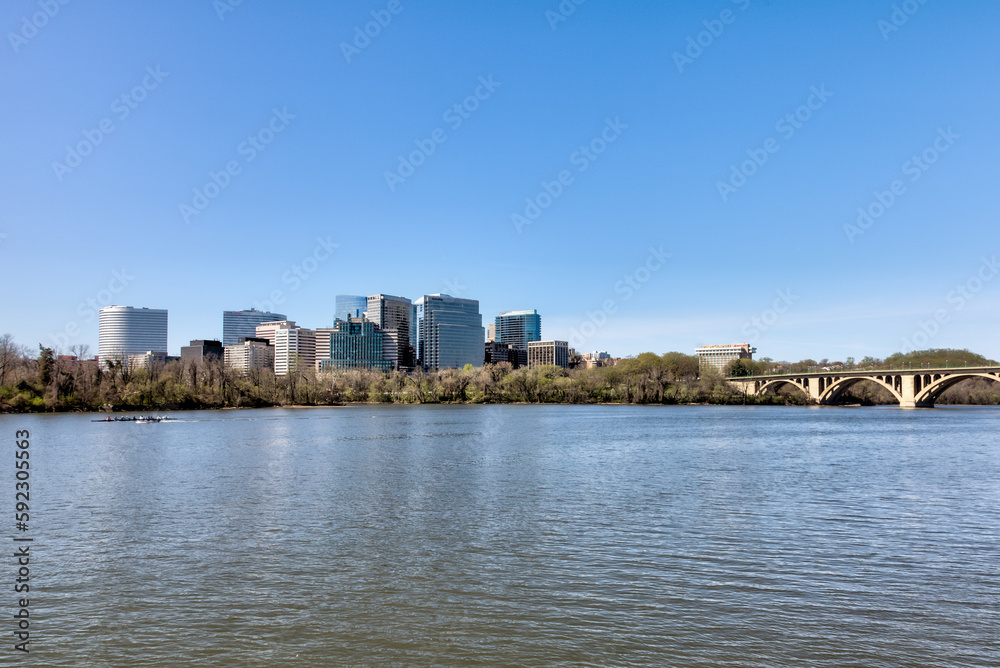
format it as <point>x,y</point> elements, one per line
<point>43,382</point>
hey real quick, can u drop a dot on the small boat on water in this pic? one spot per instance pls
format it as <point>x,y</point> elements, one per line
<point>138,419</point>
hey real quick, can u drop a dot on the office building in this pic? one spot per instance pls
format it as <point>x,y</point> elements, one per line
<point>541,353</point>
<point>147,359</point>
<point>391,348</point>
<point>249,354</point>
<point>266,330</point>
<point>497,352</point>
<point>294,346</point>
<point>202,350</point>
<point>359,343</point>
<point>350,306</point>
<point>294,349</point>
<point>392,314</point>
<point>491,332</point>
<point>717,357</point>
<point>519,328</point>
<point>125,330</point>
<point>322,346</point>
<point>450,332</point>
<point>238,325</point>
<point>413,333</point>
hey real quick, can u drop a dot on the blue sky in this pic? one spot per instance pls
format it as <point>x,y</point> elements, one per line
<point>642,109</point>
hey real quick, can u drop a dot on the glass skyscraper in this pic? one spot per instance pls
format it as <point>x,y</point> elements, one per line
<point>450,332</point>
<point>356,344</point>
<point>519,328</point>
<point>125,330</point>
<point>350,306</point>
<point>393,314</point>
<point>238,325</point>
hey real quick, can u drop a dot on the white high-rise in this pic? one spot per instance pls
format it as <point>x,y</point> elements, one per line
<point>126,330</point>
<point>293,345</point>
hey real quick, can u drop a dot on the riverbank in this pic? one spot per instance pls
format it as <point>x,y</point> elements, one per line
<point>51,385</point>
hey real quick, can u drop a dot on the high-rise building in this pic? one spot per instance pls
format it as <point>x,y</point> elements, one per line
<point>541,353</point>
<point>266,330</point>
<point>350,306</point>
<point>392,314</point>
<point>125,330</point>
<point>519,328</point>
<point>413,333</point>
<point>201,349</point>
<point>242,324</point>
<point>248,354</point>
<point>294,346</point>
<point>359,343</point>
<point>717,357</point>
<point>450,332</point>
<point>322,346</point>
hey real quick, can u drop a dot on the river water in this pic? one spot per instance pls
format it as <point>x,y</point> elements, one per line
<point>513,535</point>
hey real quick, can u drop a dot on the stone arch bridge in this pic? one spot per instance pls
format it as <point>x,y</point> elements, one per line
<point>912,388</point>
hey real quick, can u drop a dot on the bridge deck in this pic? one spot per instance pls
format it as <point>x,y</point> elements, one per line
<point>843,373</point>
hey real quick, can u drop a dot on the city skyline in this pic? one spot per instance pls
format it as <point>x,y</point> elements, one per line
<point>673,176</point>
<point>920,338</point>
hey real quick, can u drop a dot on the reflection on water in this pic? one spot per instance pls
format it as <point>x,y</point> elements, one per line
<point>519,535</point>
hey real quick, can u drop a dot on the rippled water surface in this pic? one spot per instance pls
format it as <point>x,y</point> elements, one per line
<point>516,535</point>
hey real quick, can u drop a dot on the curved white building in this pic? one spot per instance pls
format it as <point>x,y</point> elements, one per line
<point>126,330</point>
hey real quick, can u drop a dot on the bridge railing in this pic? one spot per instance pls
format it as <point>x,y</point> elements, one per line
<point>818,371</point>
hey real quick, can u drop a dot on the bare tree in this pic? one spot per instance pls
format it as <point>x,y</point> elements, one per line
<point>82,351</point>
<point>10,352</point>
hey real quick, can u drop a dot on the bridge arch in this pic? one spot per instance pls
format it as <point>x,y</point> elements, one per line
<point>763,386</point>
<point>833,388</point>
<point>929,387</point>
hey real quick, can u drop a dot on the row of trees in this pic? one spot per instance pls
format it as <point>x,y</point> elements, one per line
<point>41,381</point>
<point>44,382</point>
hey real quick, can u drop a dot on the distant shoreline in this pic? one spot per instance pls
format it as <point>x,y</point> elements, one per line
<point>352,404</point>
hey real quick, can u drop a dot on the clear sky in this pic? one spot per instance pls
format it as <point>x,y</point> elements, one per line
<point>697,167</point>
